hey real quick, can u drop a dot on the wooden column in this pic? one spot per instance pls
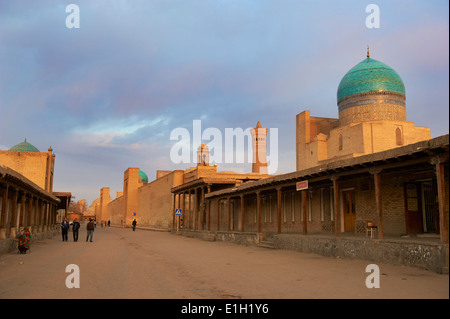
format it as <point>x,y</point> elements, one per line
<point>173,210</point>
<point>440,178</point>
<point>46,218</point>
<point>29,212</point>
<point>208,210</point>
<point>279,210</point>
<point>20,210</point>
<point>218,214</point>
<point>4,213</point>
<point>443,221</point>
<point>258,211</point>
<point>202,209</point>
<point>439,163</point>
<point>38,215</point>
<point>208,205</point>
<point>188,222</point>
<point>305,211</point>
<point>229,213</point>
<point>12,215</point>
<point>195,217</point>
<point>67,206</point>
<point>337,219</point>
<point>377,182</point>
<point>35,214</point>
<point>242,213</point>
<point>183,204</point>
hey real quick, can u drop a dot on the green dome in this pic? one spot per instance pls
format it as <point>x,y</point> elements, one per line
<point>143,176</point>
<point>24,147</point>
<point>370,76</point>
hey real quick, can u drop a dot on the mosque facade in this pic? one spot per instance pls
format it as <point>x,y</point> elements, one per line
<point>29,161</point>
<point>26,194</point>
<point>371,102</point>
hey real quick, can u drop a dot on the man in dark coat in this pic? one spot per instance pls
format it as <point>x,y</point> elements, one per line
<point>75,228</point>
<point>64,229</point>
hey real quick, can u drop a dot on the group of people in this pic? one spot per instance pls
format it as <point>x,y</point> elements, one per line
<point>75,228</point>
<point>24,236</point>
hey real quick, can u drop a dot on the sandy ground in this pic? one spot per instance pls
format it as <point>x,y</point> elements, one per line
<point>124,264</point>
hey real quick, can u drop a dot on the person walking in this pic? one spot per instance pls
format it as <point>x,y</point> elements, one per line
<point>24,240</point>
<point>64,229</point>
<point>75,228</point>
<point>90,230</point>
<point>134,224</point>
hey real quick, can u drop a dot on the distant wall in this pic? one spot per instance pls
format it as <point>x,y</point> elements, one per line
<point>156,201</point>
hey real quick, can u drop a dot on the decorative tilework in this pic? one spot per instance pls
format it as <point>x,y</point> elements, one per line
<point>143,176</point>
<point>24,147</point>
<point>370,76</point>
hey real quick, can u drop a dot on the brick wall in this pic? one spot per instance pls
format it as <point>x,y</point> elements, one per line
<point>32,165</point>
<point>155,203</point>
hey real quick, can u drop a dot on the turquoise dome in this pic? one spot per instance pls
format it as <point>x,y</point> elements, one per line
<point>24,147</point>
<point>370,76</point>
<point>143,176</point>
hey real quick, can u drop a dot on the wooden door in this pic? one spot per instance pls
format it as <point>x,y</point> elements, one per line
<point>430,209</point>
<point>413,208</point>
<point>349,210</point>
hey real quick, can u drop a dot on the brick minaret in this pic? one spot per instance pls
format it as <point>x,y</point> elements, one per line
<point>259,136</point>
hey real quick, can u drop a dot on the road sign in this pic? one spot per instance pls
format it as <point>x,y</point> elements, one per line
<point>178,212</point>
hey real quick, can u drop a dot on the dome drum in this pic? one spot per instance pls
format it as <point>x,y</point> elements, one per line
<point>372,106</point>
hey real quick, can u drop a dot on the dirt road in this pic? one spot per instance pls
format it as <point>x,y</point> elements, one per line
<point>121,263</point>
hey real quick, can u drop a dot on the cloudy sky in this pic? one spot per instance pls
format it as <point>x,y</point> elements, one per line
<point>107,95</point>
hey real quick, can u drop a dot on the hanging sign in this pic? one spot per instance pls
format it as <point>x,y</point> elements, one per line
<point>302,185</point>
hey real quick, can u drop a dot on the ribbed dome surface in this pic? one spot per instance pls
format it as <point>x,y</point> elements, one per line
<point>143,176</point>
<point>24,147</point>
<point>370,76</point>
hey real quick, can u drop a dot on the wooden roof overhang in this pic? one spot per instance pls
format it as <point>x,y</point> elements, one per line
<point>417,156</point>
<point>203,181</point>
<point>64,199</point>
<point>22,183</point>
